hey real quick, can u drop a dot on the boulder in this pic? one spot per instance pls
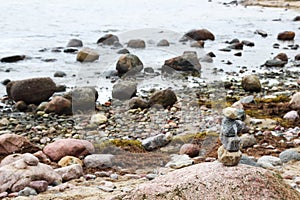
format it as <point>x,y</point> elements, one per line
<point>286,35</point>
<point>59,74</point>
<point>275,63</point>
<point>69,160</point>
<point>31,91</point>
<point>87,55</point>
<point>251,83</point>
<point>83,99</point>
<point>59,105</point>
<point>295,101</point>
<point>156,142</point>
<point>297,57</point>
<point>14,58</point>
<point>199,34</point>
<point>282,57</point>
<point>70,172</point>
<point>68,147</point>
<point>288,155</point>
<point>136,43</point>
<point>17,175</point>
<point>165,98</point>
<point>188,62</point>
<point>229,158</point>
<point>137,102</point>
<point>75,43</point>
<point>124,90</point>
<point>213,180</point>
<point>12,143</point>
<point>269,162</point>
<point>163,43</point>
<point>247,140</point>
<point>261,32</point>
<point>192,150</point>
<point>237,46</point>
<point>108,39</point>
<point>100,161</point>
<point>129,63</point>
<point>291,115</point>
<point>39,186</point>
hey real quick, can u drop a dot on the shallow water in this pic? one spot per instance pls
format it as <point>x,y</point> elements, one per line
<point>30,25</point>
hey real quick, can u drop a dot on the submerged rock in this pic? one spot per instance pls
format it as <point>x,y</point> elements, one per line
<point>286,35</point>
<point>163,43</point>
<point>199,34</point>
<point>136,43</point>
<point>75,43</point>
<point>31,91</point>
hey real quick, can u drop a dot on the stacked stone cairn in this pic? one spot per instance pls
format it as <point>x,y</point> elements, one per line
<point>229,153</point>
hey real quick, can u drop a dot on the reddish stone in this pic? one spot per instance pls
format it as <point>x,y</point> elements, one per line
<point>192,150</point>
<point>59,105</point>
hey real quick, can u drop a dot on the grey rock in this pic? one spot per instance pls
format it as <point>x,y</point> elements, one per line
<point>155,142</point>
<point>231,144</point>
<point>269,162</point>
<point>124,90</point>
<point>101,161</point>
<point>247,140</point>
<point>247,99</point>
<point>248,161</point>
<point>108,39</point>
<point>70,172</point>
<point>275,63</point>
<point>289,155</point>
<point>123,51</point>
<point>136,43</point>
<point>75,43</point>
<point>163,43</point>
<point>60,74</point>
<point>27,191</point>
<point>262,33</point>
<point>179,161</point>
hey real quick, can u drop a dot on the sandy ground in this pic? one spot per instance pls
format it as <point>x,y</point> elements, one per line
<point>274,3</point>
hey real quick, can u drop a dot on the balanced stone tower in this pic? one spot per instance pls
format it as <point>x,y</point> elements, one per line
<point>229,153</point>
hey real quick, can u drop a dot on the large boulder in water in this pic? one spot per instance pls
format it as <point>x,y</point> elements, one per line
<point>87,55</point>
<point>215,181</point>
<point>199,34</point>
<point>108,39</point>
<point>31,91</point>
<point>130,64</point>
<point>136,43</point>
<point>286,35</point>
<point>164,98</point>
<point>75,43</point>
<point>188,63</point>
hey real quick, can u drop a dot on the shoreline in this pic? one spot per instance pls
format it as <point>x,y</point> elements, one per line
<point>273,3</point>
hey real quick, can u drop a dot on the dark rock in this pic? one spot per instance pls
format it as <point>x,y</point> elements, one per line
<point>124,90</point>
<point>238,54</point>
<point>282,57</point>
<point>261,32</point>
<point>199,44</point>
<point>59,105</point>
<point>226,49</point>
<point>297,18</point>
<point>11,59</point>
<point>200,34</point>
<point>60,88</point>
<point>248,43</point>
<point>60,74</point>
<point>165,98</point>
<point>238,46</point>
<point>163,43</point>
<point>123,51</point>
<point>248,161</point>
<point>35,90</point>
<point>6,81</point>
<point>87,55</point>
<point>21,106</point>
<point>235,40</point>
<point>192,150</point>
<point>251,83</point>
<point>137,102</point>
<point>286,35</point>
<point>68,147</point>
<point>108,39</point>
<point>211,54</point>
<point>75,43</point>
<point>136,43</point>
<point>149,70</point>
<point>188,62</point>
<point>297,57</point>
<point>275,63</point>
<point>129,64</point>
<point>70,50</point>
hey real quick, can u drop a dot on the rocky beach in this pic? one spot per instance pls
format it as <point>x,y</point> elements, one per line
<point>184,110</point>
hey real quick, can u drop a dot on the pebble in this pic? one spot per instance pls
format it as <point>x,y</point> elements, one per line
<point>114,176</point>
<point>27,191</point>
